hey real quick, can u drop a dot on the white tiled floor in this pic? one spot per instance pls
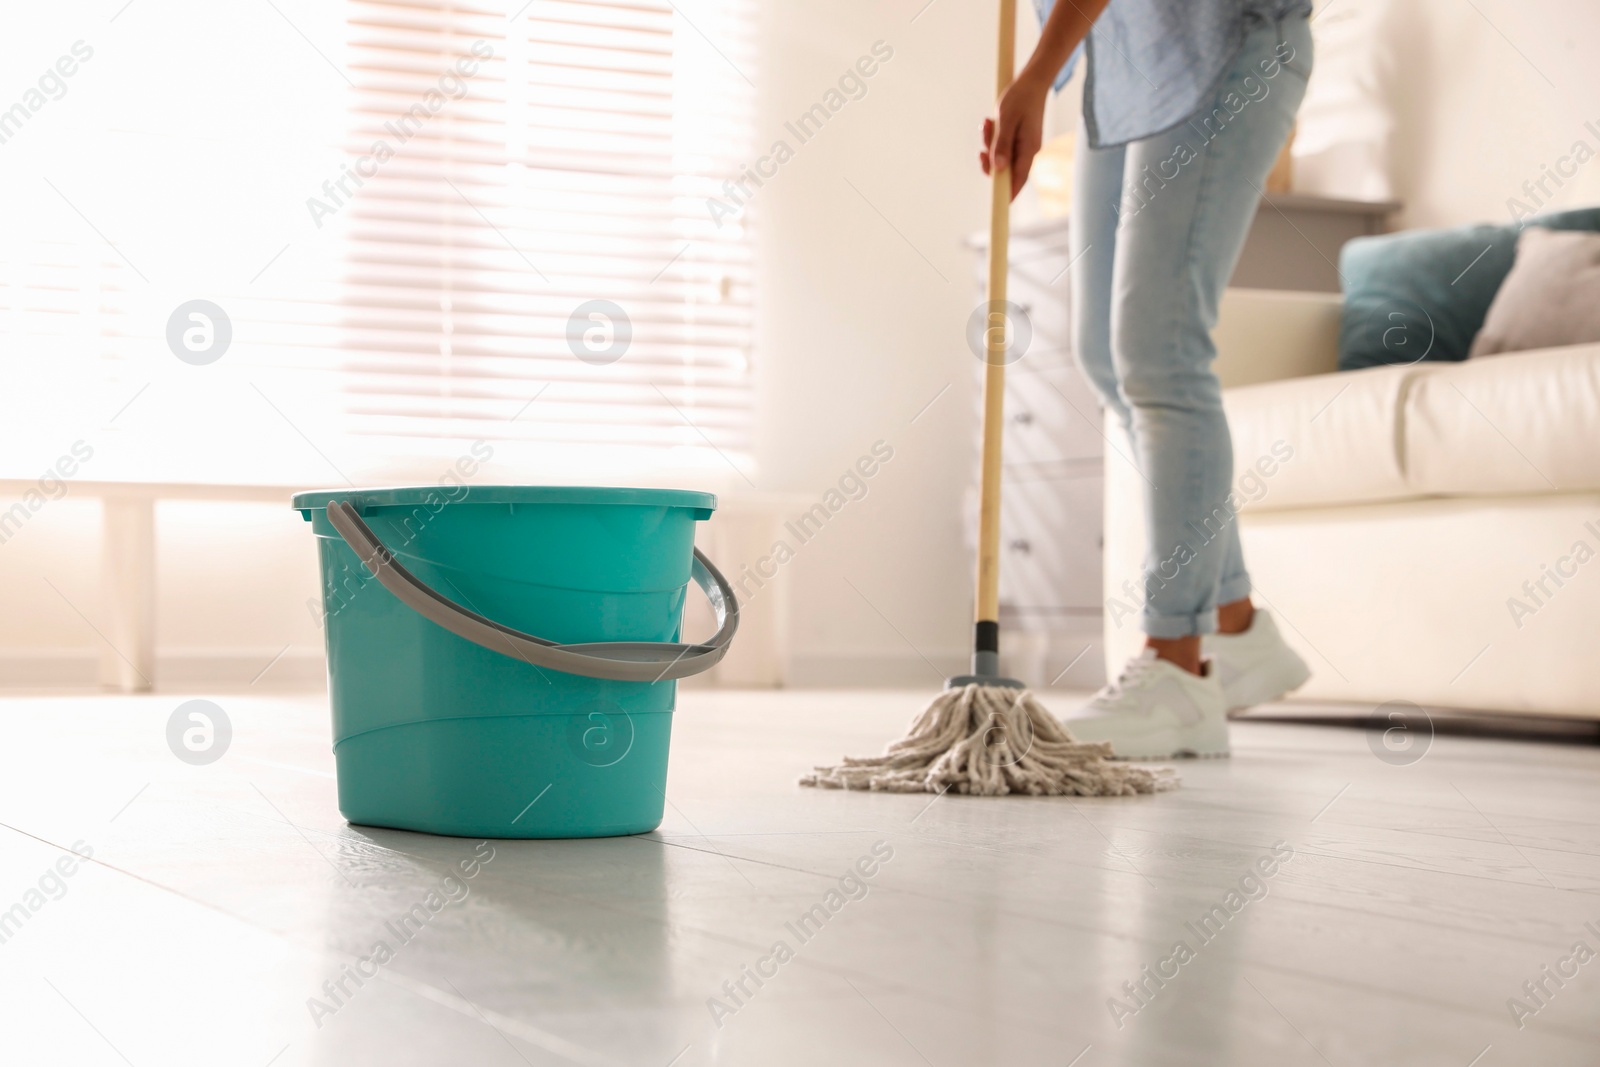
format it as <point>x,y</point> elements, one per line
<point>1418,900</point>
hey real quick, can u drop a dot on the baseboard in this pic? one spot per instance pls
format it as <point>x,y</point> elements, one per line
<point>178,670</point>
<point>874,670</point>
<point>1059,660</point>
<point>49,668</point>
<point>292,668</point>
<point>1065,653</point>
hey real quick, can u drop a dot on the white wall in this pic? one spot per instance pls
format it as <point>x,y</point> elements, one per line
<point>858,331</point>
<point>862,324</point>
<point>1478,98</point>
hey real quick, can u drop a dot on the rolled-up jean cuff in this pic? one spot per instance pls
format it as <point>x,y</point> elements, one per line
<point>1233,589</point>
<point>1173,626</point>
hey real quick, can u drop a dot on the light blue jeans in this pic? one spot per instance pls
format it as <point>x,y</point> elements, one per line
<point>1157,226</point>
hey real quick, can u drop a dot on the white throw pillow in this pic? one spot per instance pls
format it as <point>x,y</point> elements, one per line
<point>1550,298</point>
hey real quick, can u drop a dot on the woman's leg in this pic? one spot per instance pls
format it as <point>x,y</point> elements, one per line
<point>1091,244</point>
<point>1188,199</point>
<point>1092,238</point>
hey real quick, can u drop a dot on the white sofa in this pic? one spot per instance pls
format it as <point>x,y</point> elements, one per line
<point>1435,536</point>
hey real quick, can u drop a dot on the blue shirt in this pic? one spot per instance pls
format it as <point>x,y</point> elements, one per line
<point>1154,63</point>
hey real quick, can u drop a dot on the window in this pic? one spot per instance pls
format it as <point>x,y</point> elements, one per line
<point>427,224</point>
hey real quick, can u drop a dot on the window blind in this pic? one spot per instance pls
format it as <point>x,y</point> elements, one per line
<point>545,200</point>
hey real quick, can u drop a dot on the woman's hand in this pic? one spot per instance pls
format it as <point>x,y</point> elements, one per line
<point>1013,137</point>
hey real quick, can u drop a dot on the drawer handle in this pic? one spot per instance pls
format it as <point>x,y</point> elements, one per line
<point>1021,545</point>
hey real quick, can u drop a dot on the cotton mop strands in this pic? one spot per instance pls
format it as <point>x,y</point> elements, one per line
<point>987,735</point>
<point>991,740</point>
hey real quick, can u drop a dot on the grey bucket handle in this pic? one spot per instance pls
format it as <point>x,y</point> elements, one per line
<point>619,661</point>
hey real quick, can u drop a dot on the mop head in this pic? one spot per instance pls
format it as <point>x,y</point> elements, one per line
<point>989,740</point>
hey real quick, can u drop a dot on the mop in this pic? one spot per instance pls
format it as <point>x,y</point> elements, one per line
<point>987,735</point>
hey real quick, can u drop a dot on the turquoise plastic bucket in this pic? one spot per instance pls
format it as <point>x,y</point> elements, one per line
<point>449,724</point>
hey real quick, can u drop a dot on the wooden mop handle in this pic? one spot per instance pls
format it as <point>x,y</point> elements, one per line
<point>994,372</point>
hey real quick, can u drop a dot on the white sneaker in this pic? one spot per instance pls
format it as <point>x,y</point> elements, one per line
<point>1156,710</point>
<point>1256,666</point>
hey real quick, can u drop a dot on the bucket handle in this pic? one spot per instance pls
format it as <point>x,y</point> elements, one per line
<point>620,661</point>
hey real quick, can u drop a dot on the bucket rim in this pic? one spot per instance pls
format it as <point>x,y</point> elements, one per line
<point>412,495</point>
